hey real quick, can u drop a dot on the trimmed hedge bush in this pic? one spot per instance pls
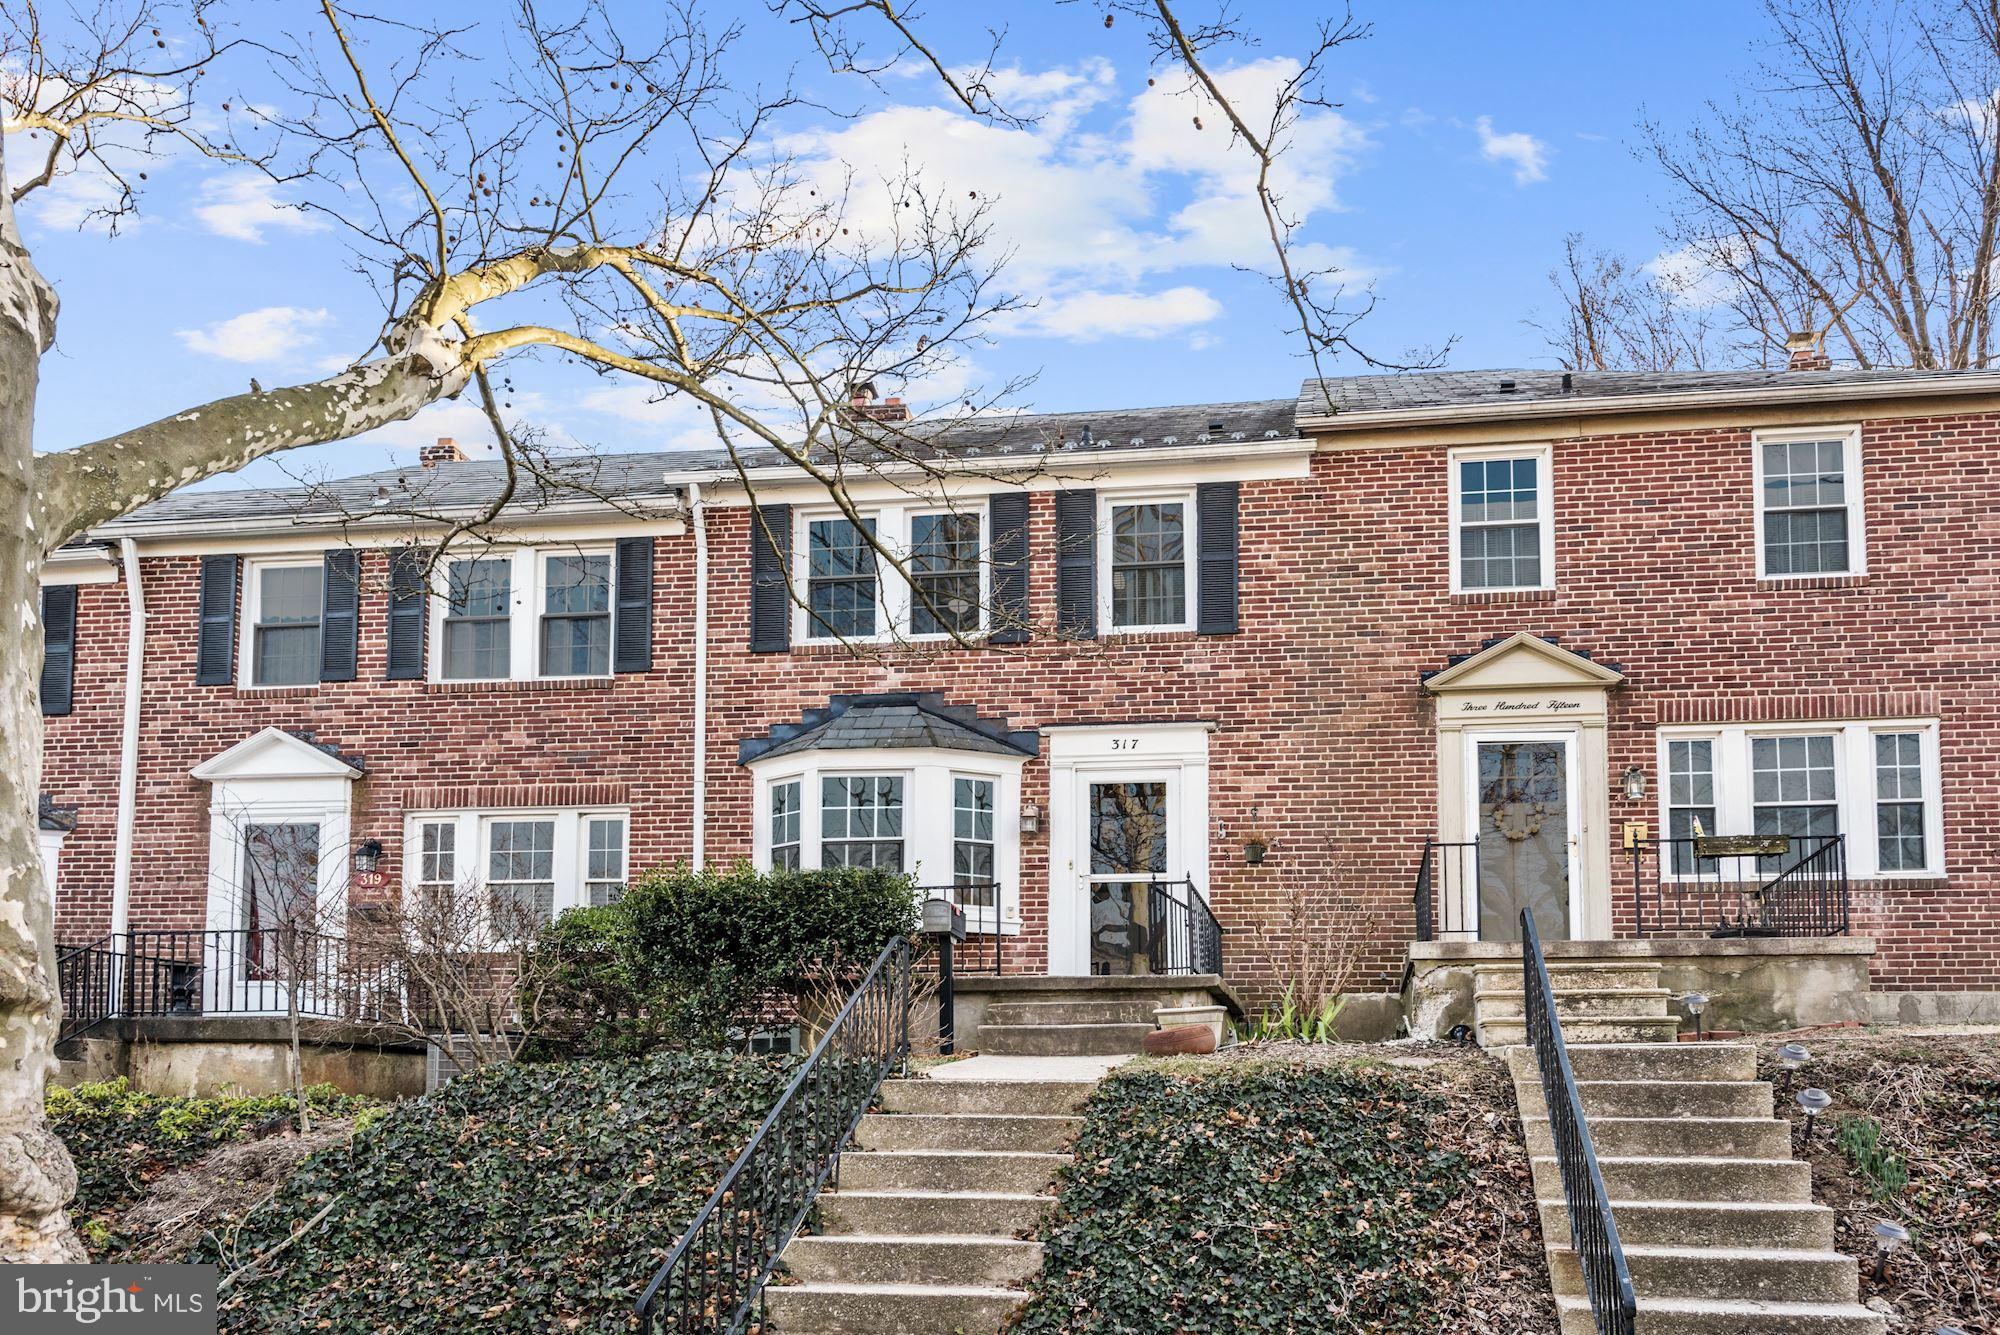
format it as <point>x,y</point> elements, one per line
<point>531,1197</point>
<point>683,958</point>
<point>1215,1196</point>
<point>123,1140</point>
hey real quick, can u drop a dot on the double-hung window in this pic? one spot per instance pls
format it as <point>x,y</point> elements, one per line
<point>1809,517</point>
<point>843,597</point>
<point>1502,537</point>
<point>972,845</point>
<point>576,615</point>
<point>785,831</point>
<point>524,867</point>
<point>861,821</point>
<point>1877,783</point>
<point>944,564</point>
<point>1147,562</point>
<point>289,601</point>
<point>478,631</point>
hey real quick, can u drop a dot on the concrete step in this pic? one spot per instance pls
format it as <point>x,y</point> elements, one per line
<point>1663,1098</point>
<point>909,1259</point>
<point>1699,1316</point>
<point>1707,1224</point>
<point>1504,1033</point>
<point>1648,1061</point>
<point>1583,1004</point>
<point>992,1213</point>
<point>943,1170</point>
<point>1570,977</point>
<point>1651,1178</point>
<point>888,1309</point>
<point>1062,1040</point>
<point>1674,1137</point>
<point>966,1131</point>
<point>985,1096</point>
<point>1762,1275</point>
<point>1083,1010</point>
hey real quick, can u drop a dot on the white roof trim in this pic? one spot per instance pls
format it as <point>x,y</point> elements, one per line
<point>1567,668</point>
<point>1805,392</point>
<point>273,754</point>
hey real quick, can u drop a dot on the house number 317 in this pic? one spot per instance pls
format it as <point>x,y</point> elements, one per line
<point>1124,743</point>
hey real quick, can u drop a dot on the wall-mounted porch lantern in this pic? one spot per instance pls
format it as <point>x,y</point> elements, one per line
<point>1635,783</point>
<point>1031,818</point>
<point>367,855</point>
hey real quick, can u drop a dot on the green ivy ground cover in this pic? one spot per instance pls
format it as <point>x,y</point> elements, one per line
<point>1213,1197</point>
<point>533,1197</point>
<point>122,1141</point>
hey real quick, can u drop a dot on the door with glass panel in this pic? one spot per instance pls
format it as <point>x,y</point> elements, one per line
<point>1129,842</point>
<point>285,934</point>
<point>1524,809</point>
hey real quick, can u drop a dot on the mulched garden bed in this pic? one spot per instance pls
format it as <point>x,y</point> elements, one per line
<point>1913,1136</point>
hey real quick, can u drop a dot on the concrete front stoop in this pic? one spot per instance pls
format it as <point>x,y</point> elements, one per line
<point>926,1232</point>
<point>1717,1219</point>
<point>1601,1001</point>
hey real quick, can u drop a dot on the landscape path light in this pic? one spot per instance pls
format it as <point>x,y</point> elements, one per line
<point>1696,1003</point>
<point>1791,1057</point>
<point>1814,1102</point>
<point>1889,1235</point>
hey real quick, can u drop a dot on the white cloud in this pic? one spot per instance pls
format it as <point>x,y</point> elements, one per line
<point>243,207</point>
<point>1088,316</point>
<point>271,334</point>
<point>1529,155</point>
<point>1699,275</point>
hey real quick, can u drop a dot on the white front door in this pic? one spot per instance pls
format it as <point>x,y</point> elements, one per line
<point>1128,806</point>
<point>1521,803</point>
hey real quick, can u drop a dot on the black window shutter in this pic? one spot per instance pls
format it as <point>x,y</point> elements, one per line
<point>340,614</point>
<point>215,650</point>
<point>407,615</point>
<point>58,647</point>
<point>1007,520</point>
<point>1216,549</point>
<point>1076,564</point>
<point>770,599</point>
<point>632,633</point>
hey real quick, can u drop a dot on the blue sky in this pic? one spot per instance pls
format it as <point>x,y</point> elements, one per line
<point>1470,138</point>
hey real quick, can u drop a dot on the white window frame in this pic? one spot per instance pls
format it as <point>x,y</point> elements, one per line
<point>254,570</point>
<point>895,529</point>
<point>569,861</point>
<point>1854,486</point>
<point>1545,509</point>
<point>928,827</point>
<point>527,600</point>
<point>1854,785</point>
<point>1107,504</point>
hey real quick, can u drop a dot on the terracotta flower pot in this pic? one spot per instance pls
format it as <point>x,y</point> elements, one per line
<point>1180,1040</point>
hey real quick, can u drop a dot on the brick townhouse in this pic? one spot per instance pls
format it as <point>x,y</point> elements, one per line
<point>1380,665</point>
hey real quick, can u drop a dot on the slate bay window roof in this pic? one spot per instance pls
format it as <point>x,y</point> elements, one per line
<point>898,721</point>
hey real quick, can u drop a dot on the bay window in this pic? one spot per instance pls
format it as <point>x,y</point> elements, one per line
<point>1876,782</point>
<point>861,821</point>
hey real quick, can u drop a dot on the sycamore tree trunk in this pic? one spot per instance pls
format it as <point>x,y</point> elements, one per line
<point>36,1176</point>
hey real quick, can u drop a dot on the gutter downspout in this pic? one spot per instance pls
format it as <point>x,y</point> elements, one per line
<point>698,514</point>
<point>128,740</point>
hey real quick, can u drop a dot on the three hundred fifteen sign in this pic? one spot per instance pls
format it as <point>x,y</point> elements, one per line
<point>1527,691</point>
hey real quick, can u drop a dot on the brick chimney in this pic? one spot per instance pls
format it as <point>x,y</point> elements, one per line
<point>861,403</point>
<point>1805,353</point>
<point>446,451</point>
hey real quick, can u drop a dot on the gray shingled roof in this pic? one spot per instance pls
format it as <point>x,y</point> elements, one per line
<point>636,478</point>
<point>886,722</point>
<point>1497,388</point>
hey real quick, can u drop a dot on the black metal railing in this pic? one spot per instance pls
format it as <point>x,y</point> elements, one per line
<point>713,1279</point>
<point>153,972</point>
<point>1593,1232</point>
<point>87,982</point>
<point>1153,927</point>
<point>984,949</point>
<point>1754,885</point>
<point>1444,875</point>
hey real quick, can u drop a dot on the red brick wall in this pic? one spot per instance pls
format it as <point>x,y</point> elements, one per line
<point>1321,725</point>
